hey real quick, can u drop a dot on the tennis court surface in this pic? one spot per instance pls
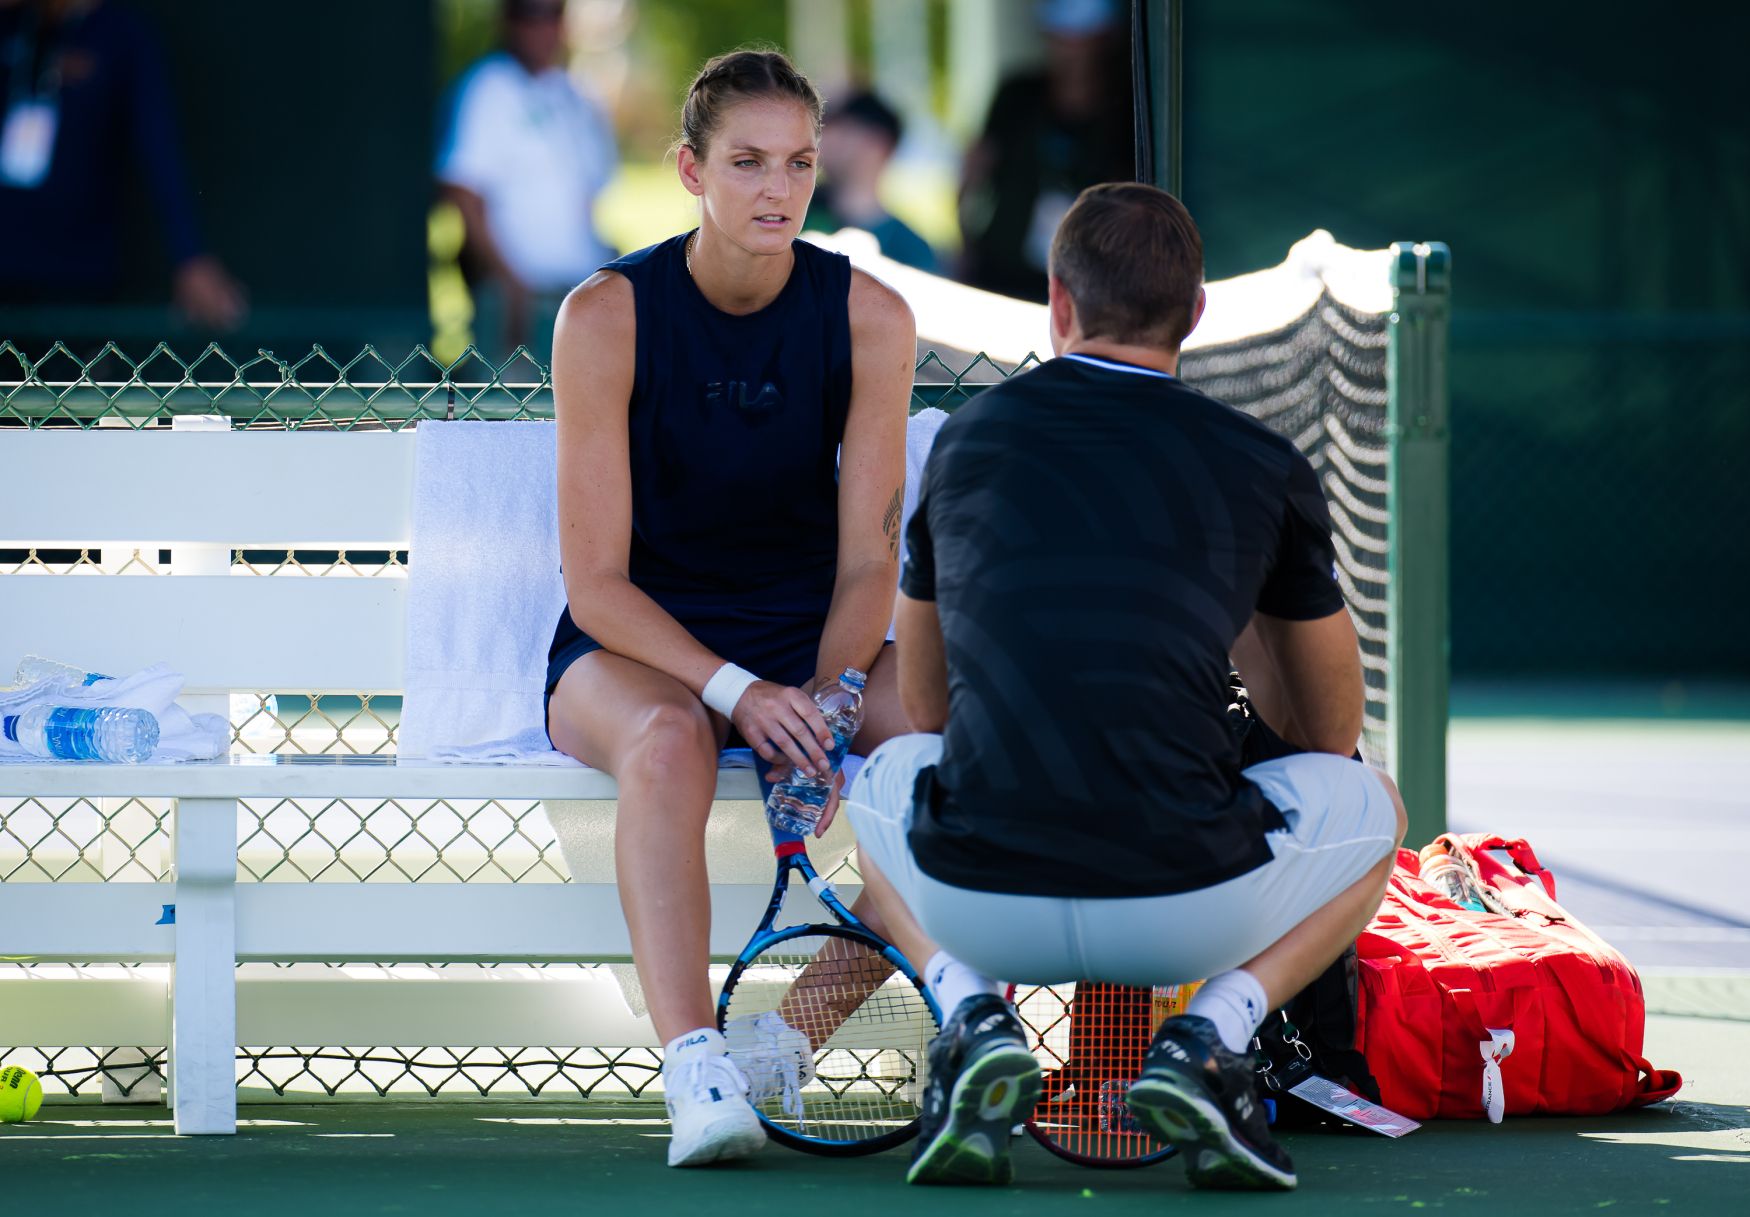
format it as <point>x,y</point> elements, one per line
<point>442,1158</point>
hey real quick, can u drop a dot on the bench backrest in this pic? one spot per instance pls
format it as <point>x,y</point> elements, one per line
<point>202,494</point>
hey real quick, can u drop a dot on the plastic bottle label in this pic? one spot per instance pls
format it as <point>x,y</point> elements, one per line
<point>1170,1001</point>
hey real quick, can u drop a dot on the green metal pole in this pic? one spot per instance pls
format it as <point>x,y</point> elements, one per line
<point>1419,645</point>
<point>1161,25</point>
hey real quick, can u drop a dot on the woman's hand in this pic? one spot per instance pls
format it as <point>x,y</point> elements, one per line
<point>784,727</point>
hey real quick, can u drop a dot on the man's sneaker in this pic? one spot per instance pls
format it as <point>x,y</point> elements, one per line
<point>983,1081</point>
<point>1199,1096</point>
<point>708,1110</point>
<point>777,1059</point>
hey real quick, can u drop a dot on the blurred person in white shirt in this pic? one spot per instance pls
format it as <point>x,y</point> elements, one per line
<point>524,155</point>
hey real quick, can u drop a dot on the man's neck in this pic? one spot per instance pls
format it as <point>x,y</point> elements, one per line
<point>1153,358</point>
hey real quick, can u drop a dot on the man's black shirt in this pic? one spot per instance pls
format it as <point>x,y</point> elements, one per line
<point>1095,538</point>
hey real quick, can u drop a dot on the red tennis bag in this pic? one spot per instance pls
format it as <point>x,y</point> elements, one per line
<point>1517,1009</point>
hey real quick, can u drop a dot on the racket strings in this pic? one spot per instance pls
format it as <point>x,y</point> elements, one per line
<point>838,1041</point>
<point>1090,1040</point>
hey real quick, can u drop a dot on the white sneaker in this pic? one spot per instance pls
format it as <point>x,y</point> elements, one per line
<point>777,1059</point>
<point>708,1111</point>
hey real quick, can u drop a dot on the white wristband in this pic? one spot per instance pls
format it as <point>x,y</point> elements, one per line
<point>725,688</point>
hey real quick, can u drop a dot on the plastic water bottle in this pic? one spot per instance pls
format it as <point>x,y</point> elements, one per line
<point>104,733</point>
<point>797,803</point>
<point>33,668</point>
<point>1452,878</point>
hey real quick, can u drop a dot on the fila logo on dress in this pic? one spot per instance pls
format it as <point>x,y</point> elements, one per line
<point>737,393</point>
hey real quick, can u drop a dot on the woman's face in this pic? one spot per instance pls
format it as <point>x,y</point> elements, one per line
<point>758,173</point>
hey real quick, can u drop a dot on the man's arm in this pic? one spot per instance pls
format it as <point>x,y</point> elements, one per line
<point>1304,678</point>
<point>923,663</point>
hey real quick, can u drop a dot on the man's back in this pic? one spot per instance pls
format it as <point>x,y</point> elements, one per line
<point>1103,534</point>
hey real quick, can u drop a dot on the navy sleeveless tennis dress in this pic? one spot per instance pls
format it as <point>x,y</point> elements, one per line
<point>735,425</point>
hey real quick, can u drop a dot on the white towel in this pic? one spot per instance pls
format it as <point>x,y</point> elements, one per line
<point>181,736</point>
<point>920,434</point>
<point>483,593</point>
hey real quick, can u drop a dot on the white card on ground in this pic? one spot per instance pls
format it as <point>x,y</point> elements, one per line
<point>1339,1101</point>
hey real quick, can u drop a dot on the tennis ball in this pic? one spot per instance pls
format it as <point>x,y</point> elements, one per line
<point>20,1094</point>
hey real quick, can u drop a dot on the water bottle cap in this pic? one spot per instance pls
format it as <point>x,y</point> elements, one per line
<point>853,679</point>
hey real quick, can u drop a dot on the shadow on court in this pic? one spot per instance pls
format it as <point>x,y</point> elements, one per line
<point>585,1157</point>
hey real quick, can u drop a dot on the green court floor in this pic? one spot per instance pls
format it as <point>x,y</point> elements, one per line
<point>1691,1155</point>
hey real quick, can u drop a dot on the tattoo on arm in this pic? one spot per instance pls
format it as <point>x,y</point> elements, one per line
<point>890,523</point>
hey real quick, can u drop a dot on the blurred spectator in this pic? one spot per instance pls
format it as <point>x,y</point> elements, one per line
<point>524,157</point>
<point>860,137</point>
<point>84,91</point>
<point>1050,133</point>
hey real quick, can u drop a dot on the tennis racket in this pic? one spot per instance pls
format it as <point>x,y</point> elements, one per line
<point>1090,1039</point>
<point>829,1022</point>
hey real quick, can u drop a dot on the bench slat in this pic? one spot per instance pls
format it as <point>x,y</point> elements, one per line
<point>241,488</point>
<point>359,922</point>
<point>277,634</point>
<point>329,777</point>
<point>498,1007</point>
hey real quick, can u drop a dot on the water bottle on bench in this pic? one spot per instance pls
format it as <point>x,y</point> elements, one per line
<point>119,734</point>
<point>33,668</point>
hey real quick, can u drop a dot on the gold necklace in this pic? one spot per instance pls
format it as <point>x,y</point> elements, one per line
<point>688,250</point>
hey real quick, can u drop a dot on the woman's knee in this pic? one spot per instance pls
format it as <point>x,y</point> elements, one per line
<point>668,741</point>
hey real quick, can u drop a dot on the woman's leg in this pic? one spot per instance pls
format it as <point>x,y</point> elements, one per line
<point>661,745</point>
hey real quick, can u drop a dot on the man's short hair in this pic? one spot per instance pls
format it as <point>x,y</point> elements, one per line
<point>1131,259</point>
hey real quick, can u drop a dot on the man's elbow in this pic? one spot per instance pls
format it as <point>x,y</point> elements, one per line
<point>1337,743</point>
<point>1339,735</point>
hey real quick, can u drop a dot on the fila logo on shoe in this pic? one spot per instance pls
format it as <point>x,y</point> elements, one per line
<point>991,1022</point>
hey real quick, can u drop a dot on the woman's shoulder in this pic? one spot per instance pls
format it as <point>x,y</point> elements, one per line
<point>601,308</point>
<point>877,309</point>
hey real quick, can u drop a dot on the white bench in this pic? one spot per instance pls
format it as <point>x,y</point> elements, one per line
<point>202,493</point>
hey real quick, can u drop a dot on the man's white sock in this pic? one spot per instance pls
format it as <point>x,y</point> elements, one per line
<point>1235,1003</point>
<point>952,982</point>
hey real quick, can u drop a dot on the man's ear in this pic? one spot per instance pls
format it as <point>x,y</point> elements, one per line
<point>1063,313</point>
<point>1196,312</point>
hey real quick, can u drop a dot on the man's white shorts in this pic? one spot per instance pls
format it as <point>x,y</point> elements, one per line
<point>1341,823</point>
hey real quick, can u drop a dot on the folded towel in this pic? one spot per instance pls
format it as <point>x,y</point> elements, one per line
<point>483,593</point>
<point>181,736</point>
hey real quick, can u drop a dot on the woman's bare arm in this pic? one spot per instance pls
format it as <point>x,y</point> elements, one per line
<point>871,476</point>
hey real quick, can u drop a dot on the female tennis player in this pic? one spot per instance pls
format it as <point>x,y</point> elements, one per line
<point>731,427</point>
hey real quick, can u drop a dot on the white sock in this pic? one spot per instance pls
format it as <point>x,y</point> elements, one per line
<point>703,1041</point>
<point>952,982</point>
<point>1235,1003</point>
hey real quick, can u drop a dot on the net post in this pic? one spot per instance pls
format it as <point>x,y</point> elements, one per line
<point>1418,415</point>
<point>1157,75</point>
